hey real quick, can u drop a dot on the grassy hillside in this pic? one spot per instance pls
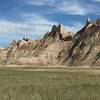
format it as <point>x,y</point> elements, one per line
<point>62,84</point>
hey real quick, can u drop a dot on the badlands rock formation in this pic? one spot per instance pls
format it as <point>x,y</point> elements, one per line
<point>85,46</point>
<point>48,48</point>
<point>57,47</point>
<point>42,52</point>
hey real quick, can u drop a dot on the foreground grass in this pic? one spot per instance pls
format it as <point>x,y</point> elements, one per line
<point>49,85</point>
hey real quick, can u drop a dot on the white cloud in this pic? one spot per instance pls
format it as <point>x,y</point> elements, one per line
<point>33,24</point>
<point>96,0</point>
<point>64,6</point>
<point>77,8</point>
<point>40,2</point>
<point>38,24</point>
<point>71,8</point>
<point>11,27</point>
<point>75,27</point>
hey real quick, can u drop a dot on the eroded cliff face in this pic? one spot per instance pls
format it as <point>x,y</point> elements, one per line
<point>17,49</point>
<point>49,47</point>
<point>85,46</point>
<point>43,52</point>
<point>57,47</point>
<point>3,55</point>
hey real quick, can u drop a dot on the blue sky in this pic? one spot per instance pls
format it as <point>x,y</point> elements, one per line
<point>33,18</point>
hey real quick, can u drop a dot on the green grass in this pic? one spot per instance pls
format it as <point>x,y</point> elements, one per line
<point>49,85</point>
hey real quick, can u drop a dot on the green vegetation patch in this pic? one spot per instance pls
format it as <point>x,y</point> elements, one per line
<point>49,85</point>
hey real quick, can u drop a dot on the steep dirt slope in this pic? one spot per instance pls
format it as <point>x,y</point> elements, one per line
<point>84,47</point>
<point>48,48</point>
<point>44,51</point>
<point>58,35</point>
<point>17,49</point>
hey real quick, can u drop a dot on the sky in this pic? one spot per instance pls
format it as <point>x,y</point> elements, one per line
<point>34,18</point>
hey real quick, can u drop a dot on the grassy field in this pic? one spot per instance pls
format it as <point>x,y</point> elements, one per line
<point>49,84</point>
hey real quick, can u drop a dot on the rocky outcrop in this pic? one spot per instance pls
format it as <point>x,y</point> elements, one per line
<point>58,35</point>
<point>3,55</point>
<point>85,46</point>
<point>57,47</point>
<point>42,52</point>
<point>48,48</point>
<point>18,49</point>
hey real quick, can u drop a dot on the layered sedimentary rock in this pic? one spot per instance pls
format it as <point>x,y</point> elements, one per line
<point>57,47</point>
<point>49,47</point>
<point>85,46</point>
<point>42,52</point>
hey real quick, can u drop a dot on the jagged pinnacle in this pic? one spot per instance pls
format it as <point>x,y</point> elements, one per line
<point>89,21</point>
